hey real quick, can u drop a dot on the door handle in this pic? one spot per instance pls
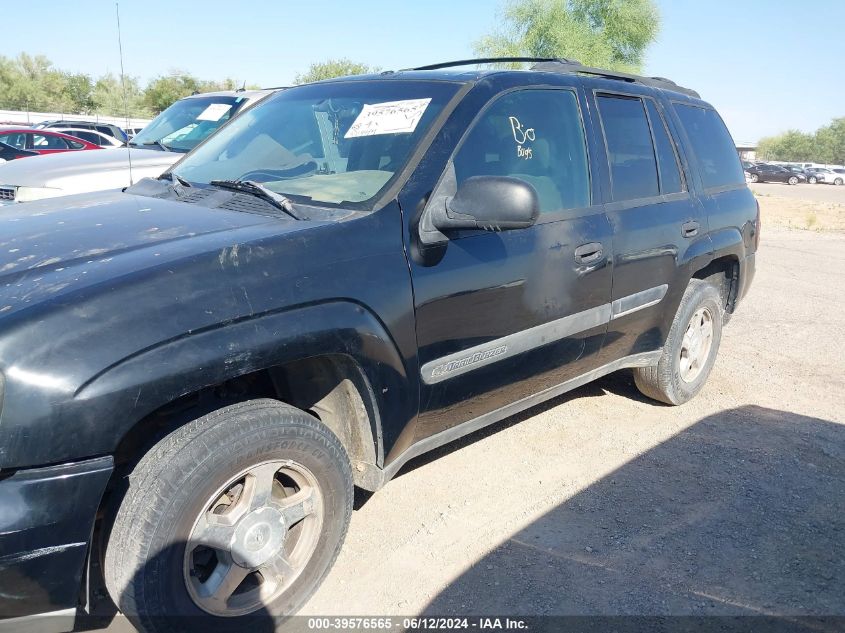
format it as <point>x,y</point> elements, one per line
<point>690,229</point>
<point>588,253</point>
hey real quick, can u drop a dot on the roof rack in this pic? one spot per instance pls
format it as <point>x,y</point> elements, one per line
<point>575,67</point>
<point>569,66</point>
<point>488,60</point>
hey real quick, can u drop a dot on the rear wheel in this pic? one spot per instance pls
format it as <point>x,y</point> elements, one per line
<point>232,519</point>
<point>690,350</point>
<point>838,181</point>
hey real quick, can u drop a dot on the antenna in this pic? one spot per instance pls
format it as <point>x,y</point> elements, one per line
<point>123,85</point>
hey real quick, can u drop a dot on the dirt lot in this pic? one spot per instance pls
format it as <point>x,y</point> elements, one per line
<point>602,502</point>
<point>811,207</point>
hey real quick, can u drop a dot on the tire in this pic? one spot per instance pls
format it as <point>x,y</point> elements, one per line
<point>793,180</point>
<point>838,181</point>
<point>755,178</point>
<point>665,381</point>
<point>174,494</point>
<point>812,180</point>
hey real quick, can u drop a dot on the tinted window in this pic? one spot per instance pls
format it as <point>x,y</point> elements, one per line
<point>47,142</point>
<point>74,144</point>
<point>633,169</point>
<point>15,140</point>
<point>535,135</point>
<point>88,136</point>
<point>667,160</point>
<point>713,146</point>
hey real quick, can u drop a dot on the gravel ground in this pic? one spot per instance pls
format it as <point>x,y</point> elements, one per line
<point>815,193</point>
<point>810,207</point>
<point>602,502</point>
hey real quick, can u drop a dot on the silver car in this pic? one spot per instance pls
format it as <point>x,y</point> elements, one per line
<point>174,132</point>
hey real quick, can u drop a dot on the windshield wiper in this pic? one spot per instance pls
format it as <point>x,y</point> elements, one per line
<point>174,177</point>
<point>260,191</point>
<point>158,144</point>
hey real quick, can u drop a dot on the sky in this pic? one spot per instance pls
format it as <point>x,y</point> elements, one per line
<point>767,65</point>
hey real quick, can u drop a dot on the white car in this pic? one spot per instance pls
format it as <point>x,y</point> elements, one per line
<point>168,137</point>
<point>97,138</point>
<point>829,176</point>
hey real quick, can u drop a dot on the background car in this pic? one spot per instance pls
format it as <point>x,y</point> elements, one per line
<point>774,173</point>
<point>173,133</point>
<point>96,138</point>
<point>131,132</point>
<point>815,174</point>
<point>828,176</point>
<point>109,129</point>
<point>43,141</point>
<point>838,176</point>
<point>9,152</point>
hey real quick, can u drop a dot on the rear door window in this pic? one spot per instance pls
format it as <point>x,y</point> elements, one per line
<point>536,136</point>
<point>48,142</point>
<point>630,152</point>
<point>712,144</point>
<point>667,158</point>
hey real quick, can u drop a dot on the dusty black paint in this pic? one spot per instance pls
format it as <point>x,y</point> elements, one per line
<point>114,304</point>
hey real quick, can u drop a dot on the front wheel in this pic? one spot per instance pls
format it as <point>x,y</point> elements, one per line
<point>233,519</point>
<point>755,178</point>
<point>812,180</point>
<point>793,180</point>
<point>690,349</point>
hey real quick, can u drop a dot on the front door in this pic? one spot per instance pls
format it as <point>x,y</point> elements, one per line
<point>504,315</point>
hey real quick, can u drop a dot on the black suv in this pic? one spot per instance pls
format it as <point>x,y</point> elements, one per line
<point>109,129</point>
<point>198,369</point>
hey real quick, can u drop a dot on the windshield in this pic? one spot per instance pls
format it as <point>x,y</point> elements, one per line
<point>182,126</point>
<point>331,143</point>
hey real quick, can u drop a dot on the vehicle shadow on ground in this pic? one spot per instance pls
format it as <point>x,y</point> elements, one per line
<point>739,514</point>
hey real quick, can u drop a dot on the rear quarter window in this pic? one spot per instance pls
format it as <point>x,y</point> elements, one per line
<point>712,145</point>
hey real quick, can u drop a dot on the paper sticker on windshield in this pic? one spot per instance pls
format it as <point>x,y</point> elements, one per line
<point>214,112</point>
<point>392,117</point>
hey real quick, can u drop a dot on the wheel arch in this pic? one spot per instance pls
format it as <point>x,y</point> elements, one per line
<point>334,360</point>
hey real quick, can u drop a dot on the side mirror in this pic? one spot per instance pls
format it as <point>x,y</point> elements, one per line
<point>489,203</point>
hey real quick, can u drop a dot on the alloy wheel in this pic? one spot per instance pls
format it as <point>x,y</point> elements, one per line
<point>696,344</point>
<point>253,538</point>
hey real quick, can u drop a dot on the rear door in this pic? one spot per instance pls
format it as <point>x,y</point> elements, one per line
<point>502,316</point>
<point>658,225</point>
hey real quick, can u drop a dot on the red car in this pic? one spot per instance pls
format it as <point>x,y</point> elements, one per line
<point>43,141</point>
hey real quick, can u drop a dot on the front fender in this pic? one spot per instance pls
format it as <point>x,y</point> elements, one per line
<point>104,408</point>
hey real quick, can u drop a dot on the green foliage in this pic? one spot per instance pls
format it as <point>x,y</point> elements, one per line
<point>604,33</point>
<point>164,90</point>
<point>826,145</point>
<point>332,68</point>
<point>831,142</point>
<point>32,83</point>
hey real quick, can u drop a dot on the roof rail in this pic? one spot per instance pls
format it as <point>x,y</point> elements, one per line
<point>574,67</point>
<point>488,60</point>
<point>570,66</point>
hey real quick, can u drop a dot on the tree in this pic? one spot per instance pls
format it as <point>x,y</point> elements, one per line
<point>605,33</point>
<point>108,97</point>
<point>826,145</point>
<point>792,145</point>
<point>830,141</point>
<point>80,91</point>
<point>332,68</point>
